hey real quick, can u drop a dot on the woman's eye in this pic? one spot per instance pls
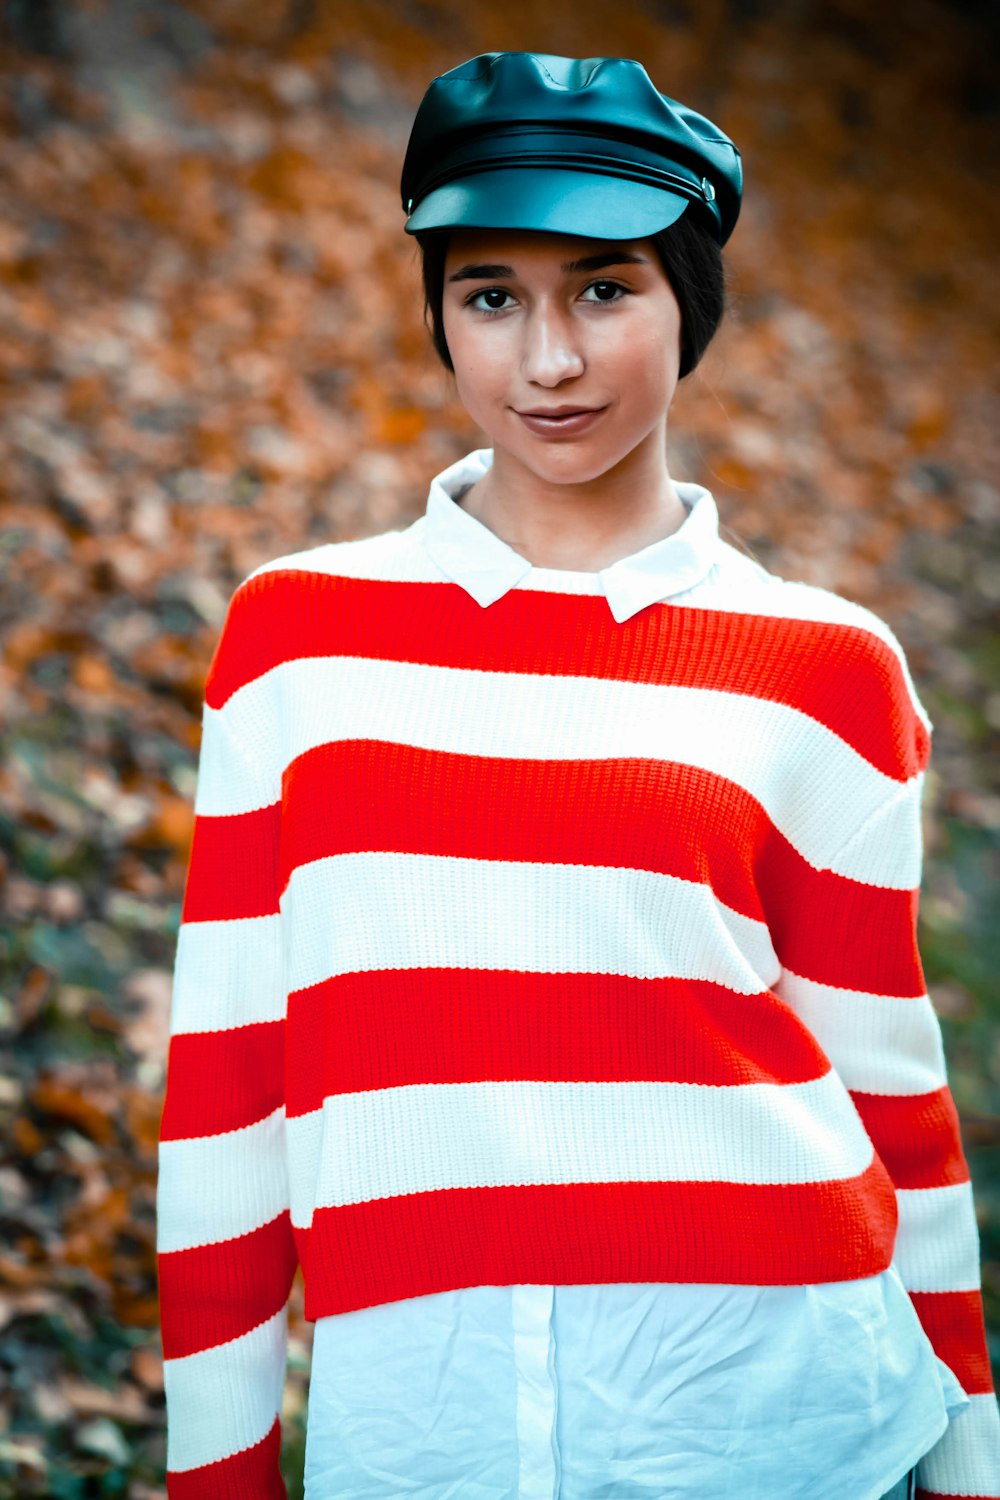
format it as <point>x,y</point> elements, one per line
<point>606,291</point>
<point>494,298</point>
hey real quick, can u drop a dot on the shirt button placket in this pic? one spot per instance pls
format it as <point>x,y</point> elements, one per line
<point>534,1363</point>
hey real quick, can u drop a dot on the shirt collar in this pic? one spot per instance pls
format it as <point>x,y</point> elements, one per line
<point>473,556</point>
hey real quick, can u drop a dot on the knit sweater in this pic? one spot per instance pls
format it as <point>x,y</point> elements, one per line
<point>548,932</point>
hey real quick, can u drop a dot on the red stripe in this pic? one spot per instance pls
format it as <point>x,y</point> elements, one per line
<point>388,1249</point>
<point>846,677</point>
<point>223,1080</point>
<point>635,813</point>
<point>215,1293</point>
<point>837,931</point>
<point>234,866</point>
<point>387,1029</point>
<point>954,1323</point>
<point>922,1494</point>
<point>254,1472</point>
<point>917,1136</point>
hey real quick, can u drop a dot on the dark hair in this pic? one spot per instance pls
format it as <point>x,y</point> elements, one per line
<point>691,259</point>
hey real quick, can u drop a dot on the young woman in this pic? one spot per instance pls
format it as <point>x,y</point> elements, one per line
<point>547,985</point>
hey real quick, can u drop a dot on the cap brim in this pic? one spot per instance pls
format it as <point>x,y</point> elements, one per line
<point>554,199</point>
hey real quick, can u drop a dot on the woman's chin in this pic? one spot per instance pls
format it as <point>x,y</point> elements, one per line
<point>560,463</point>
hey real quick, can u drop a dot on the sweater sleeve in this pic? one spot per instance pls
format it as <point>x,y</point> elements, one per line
<point>225,1248</point>
<point>895,1072</point>
<point>846,936</point>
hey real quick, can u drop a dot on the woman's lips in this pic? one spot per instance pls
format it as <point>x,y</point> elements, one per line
<point>565,424</point>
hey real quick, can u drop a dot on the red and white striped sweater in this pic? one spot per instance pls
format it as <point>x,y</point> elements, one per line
<point>548,927</point>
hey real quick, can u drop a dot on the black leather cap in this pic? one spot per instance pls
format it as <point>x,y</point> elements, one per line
<point>585,146</point>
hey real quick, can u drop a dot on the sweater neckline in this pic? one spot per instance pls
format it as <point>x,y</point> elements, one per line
<point>473,556</point>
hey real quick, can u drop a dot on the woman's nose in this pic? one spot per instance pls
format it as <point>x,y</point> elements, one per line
<point>551,348</point>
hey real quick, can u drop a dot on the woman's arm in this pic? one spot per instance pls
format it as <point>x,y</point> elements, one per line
<point>226,1253</point>
<point>846,936</point>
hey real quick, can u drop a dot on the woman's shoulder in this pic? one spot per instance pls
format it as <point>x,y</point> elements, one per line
<point>743,584</point>
<point>848,646</point>
<point>356,557</point>
<point>282,604</point>
<point>281,582</point>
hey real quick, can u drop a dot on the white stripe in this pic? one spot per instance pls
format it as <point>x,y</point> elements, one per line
<point>422,1138</point>
<point>216,1187</point>
<point>235,752</point>
<point>966,1461</point>
<point>753,742</point>
<point>937,1244</point>
<point>388,556</point>
<point>225,1399</point>
<point>227,974</point>
<point>879,1044</point>
<point>353,912</point>
<point>890,839</point>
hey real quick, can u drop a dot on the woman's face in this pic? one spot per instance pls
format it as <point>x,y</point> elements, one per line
<point>566,350</point>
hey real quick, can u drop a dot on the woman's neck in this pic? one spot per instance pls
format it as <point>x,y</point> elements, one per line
<point>580,527</point>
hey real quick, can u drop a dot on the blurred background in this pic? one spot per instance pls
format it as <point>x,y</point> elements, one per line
<point>212,352</point>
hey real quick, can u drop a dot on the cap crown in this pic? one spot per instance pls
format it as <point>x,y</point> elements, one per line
<point>595,115</point>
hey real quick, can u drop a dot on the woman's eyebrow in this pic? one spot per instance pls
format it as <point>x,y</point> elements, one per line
<point>481,273</point>
<point>587,263</point>
<point>608,258</point>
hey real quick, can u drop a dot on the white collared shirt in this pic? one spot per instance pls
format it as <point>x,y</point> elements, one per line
<point>473,556</point>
